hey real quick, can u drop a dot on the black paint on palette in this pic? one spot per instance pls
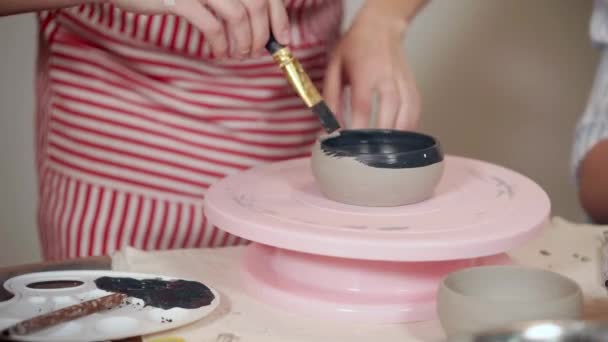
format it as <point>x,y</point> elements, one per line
<point>163,294</point>
<point>384,148</point>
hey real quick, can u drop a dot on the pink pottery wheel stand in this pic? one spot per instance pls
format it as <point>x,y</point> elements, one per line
<point>321,258</point>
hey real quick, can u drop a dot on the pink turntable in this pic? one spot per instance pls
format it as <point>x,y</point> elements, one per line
<point>326,259</point>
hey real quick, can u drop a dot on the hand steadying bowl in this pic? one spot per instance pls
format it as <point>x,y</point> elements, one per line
<point>370,167</point>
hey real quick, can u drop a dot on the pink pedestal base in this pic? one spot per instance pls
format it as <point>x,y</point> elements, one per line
<point>349,289</point>
<point>327,259</point>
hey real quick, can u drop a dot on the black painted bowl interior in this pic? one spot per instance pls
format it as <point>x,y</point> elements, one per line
<point>385,148</point>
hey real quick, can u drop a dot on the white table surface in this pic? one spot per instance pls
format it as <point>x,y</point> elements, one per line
<point>569,249</point>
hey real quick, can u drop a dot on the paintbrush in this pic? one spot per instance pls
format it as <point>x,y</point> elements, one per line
<point>302,84</point>
<point>66,314</point>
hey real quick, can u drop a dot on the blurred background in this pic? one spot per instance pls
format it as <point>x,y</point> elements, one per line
<point>502,81</point>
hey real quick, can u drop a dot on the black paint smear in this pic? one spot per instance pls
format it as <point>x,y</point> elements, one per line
<point>163,294</point>
<point>544,252</point>
<point>384,148</point>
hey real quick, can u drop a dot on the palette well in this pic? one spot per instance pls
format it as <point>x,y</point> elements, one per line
<point>135,317</point>
<point>324,258</point>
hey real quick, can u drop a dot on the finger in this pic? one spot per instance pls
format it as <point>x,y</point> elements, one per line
<point>237,18</point>
<point>205,22</point>
<point>279,21</point>
<point>231,37</point>
<point>361,102</point>
<point>390,103</point>
<point>260,24</point>
<point>414,110</point>
<point>409,113</point>
<point>332,85</point>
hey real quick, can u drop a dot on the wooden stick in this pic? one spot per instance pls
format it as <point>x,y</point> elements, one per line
<point>67,314</point>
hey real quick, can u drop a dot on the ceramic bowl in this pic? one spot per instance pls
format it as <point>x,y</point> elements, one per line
<point>542,331</point>
<point>482,298</point>
<point>378,168</point>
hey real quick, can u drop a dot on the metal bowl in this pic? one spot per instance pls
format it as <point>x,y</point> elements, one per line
<point>543,331</point>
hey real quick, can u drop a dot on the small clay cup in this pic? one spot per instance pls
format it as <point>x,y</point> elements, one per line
<point>376,167</point>
<point>488,297</point>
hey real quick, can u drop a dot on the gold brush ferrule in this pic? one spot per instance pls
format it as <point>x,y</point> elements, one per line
<point>297,77</point>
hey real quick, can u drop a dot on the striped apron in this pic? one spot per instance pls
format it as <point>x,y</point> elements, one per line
<point>135,120</point>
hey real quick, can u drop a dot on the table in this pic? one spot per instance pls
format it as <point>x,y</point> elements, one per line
<point>565,247</point>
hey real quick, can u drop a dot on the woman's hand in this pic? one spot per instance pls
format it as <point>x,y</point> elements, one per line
<point>370,59</point>
<point>242,25</point>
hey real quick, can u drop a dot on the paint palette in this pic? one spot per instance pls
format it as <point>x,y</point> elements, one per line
<point>132,318</point>
<point>371,264</point>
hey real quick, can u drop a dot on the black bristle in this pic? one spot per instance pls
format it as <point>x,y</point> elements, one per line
<point>327,118</point>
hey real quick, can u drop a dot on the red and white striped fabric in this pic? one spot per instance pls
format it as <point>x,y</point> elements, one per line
<point>135,119</point>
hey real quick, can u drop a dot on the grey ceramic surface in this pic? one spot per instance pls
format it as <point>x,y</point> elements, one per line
<point>487,297</point>
<point>347,180</point>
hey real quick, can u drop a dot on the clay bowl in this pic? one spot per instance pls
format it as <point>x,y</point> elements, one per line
<point>376,167</point>
<point>487,297</point>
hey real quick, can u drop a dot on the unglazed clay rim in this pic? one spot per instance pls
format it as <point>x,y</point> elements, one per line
<point>414,158</point>
<point>575,292</point>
